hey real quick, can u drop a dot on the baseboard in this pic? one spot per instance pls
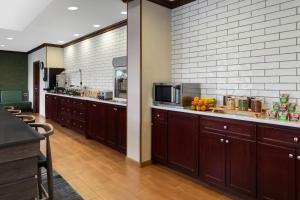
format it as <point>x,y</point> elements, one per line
<point>146,163</point>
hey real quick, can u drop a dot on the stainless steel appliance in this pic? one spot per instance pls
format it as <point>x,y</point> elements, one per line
<point>105,95</point>
<point>120,75</point>
<point>175,94</point>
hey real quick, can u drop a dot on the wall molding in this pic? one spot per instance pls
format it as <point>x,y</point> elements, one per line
<point>85,37</point>
<point>14,52</point>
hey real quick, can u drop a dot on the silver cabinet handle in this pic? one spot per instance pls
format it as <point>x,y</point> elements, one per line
<point>291,155</point>
<point>158,115</point>
<point>222,140</point>
<point>295,139</point>
<point>298,157</point>
<point>226,141</point>
<point>225,127</point>
<point>94,105</point>
<point>115,109</point>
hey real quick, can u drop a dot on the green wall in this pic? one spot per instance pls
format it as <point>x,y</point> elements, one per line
<point>13,71</point>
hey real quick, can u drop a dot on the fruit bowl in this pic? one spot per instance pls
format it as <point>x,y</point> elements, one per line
<point>203,104</point>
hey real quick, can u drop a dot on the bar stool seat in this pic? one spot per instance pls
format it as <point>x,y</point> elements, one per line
<point>8,107</point>
<point>45,161</point>
<point>15,112</point>
<point>27,118</point>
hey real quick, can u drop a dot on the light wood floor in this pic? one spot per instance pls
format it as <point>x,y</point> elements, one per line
<point>97,172</point>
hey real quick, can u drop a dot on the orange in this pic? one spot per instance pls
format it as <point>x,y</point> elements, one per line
<point>203,108</point>
<point>200,102</point>
<point>196,99</point>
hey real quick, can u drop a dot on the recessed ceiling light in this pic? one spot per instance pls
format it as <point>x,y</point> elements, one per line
<point>10,38</point>
<point>124,12</point>
<point>96,25</point>
<point>76,34</point>
<point>72,8</point>
<point>2,45</point>
<point>60,41</point>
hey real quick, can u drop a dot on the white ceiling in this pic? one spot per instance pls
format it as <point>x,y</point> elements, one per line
<point>49,21</point>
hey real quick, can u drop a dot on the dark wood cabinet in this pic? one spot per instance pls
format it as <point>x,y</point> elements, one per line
<point>122,129</point>
<point>298,176</point>
<point>106,123</point>
<point>48,108</point>
<point>276,172</point>
<point>183,142</point>
<point>159,136</point>
<point>212,160</point>
<point>96,121</point>
<point>241,165</point>
<point>116,127</point>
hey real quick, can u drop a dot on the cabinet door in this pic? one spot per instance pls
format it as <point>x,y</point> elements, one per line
<point>183,142</point>
<point>276,172</point>
<point>111,125</point>
<point>159,141</point>
<point>212,162</point>
<point>48,103</point>
<point>298,176</point>
<point>96,121</point>
<point>122,129</point>
<point>241,165</point>
<point>55,101</point>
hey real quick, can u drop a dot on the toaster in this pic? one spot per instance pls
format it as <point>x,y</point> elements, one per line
<point>105,95</point>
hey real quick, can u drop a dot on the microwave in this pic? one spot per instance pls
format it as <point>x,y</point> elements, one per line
<point>175,94</point>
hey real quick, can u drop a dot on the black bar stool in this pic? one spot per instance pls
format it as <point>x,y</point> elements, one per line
<point>45,161</point>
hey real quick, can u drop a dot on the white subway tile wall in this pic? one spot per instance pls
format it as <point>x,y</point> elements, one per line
<point>238,47</point>
<point>94,57</point>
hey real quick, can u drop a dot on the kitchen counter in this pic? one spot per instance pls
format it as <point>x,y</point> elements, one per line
<point>15,132</point>
<point>231,116</point>
<point>113,102</point>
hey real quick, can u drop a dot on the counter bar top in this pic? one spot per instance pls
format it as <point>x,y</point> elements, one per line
<point>232,116</point>
<point>15,132</point>
<point>119,103</point>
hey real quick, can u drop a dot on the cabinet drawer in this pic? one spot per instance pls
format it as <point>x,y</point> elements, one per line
<point>65,120</point>
<point>65,101</point>
<point>79,114</point>
<point>17,170</point>
<point>79,126</point>
<point>232,128</point>
<point>24,189</point>
<point>279,135</point>
<point>159,115</point>
<point>79,104</point>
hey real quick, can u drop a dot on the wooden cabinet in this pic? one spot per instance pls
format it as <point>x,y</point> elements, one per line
<point>116,129</point>
<point>276,172</point>
<point>96,121</point>
<point>106,123</point>
<point>278,165</point>
<point>212,160</point>
<point>48,109</point>
<point>159,136</point>
<point>228,154</point>
<point>298,175</point>
<point>241,165</point>
<point>183,142</point>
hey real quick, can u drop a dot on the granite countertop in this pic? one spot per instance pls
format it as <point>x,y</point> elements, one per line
<point>114,102</point>
<point>232,116</point>
<point>15,132</point>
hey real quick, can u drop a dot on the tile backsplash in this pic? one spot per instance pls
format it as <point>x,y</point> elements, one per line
<point>238,47</point>
<point>94,57</point>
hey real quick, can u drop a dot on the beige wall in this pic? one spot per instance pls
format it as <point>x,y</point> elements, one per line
<point>134,84</point>
<point>55,57</point>
<point>156,62</point>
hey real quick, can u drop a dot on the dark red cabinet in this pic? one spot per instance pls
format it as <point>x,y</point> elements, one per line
<point>96,121</point>
<point>212,160</point>
<point>241,165</point>
<point>298,175</point>
<point>116,127</point>
<point>159,136</point>
<point>183,142</point>
<point>106,123</point>
<point>276,172</point>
